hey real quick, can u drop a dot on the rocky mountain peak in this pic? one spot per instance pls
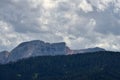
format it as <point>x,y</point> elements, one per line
<point>41,48</point>
<point>37,48</point>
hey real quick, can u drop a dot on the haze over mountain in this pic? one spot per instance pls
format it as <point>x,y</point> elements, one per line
<point>96,49</point>
<point>41,48</point>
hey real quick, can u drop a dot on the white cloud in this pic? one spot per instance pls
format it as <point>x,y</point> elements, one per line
<point>47,4</point>
<point>85,6</point>
<point>102,5</point>
<point>8,37</point>
<point>80,23</point>
<point>109,42</point>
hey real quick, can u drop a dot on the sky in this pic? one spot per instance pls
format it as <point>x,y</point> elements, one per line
<point>79,23</point>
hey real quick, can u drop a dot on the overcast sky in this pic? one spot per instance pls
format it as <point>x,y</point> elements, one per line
<point>80,23</point>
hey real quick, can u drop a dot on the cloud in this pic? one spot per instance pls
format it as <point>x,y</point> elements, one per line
<point>85,6</point>
<point>80,23</point>
<point>8,37</point>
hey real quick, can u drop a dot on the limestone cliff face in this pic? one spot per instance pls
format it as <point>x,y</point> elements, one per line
<point>37,48</point>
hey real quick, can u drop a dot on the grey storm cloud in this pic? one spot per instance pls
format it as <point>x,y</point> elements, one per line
<point>80,23</point>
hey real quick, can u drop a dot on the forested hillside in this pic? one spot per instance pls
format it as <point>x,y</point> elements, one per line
<point>90,66</point>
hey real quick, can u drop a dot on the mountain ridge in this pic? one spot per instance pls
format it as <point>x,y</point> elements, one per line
<point>40,48</point>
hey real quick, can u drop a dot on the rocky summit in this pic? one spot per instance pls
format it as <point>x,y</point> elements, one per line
<point>40,48</point>
<point>37,48</point>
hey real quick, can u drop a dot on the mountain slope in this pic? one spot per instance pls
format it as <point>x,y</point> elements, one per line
<point>3,56</point>
<point>41,48</point>
<point>89,66</point>
<point>96,49</point>
<point>37,48</point>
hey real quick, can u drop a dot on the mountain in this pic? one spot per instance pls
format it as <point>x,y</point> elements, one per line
<point>37,48</point>
<point>40,48</point>
<point>3,56</point>
<point>90,66</point>
<point>96,49</point>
